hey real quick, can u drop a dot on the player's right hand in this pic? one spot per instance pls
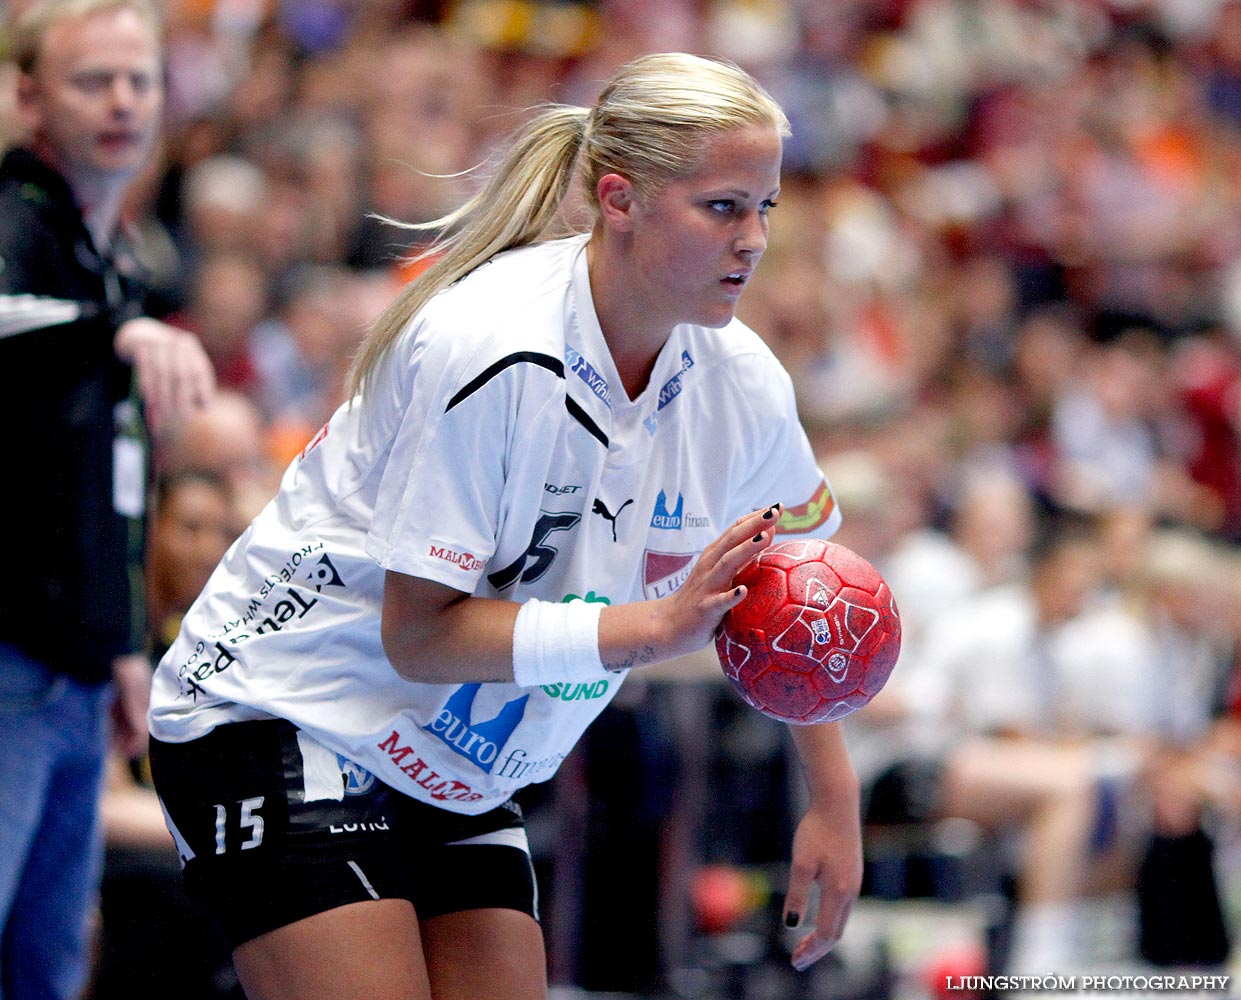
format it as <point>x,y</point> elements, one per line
<point>693,613</point>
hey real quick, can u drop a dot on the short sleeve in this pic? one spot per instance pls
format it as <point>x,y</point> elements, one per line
<point>784,469</point>
<point>443,485</point>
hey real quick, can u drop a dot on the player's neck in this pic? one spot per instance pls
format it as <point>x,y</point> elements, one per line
<point>633,336</point>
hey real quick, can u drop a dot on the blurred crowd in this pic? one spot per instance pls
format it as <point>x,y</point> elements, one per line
<point>1004,272</point>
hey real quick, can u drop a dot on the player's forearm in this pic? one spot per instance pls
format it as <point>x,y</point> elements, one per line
<point>468,640</point>
<point>434,635</point>
<point>832,781</point>
<point>472,640</point>
<point>636,635</point>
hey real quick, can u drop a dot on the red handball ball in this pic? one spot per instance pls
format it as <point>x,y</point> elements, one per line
<point>816,635</point>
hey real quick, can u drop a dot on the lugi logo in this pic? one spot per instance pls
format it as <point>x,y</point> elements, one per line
<point>481,742</point>
<point>664,572</point>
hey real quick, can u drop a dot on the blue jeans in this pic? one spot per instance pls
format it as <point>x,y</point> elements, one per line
<point>53,742</point>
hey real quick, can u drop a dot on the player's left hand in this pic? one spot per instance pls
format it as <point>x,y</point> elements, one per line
<point>175,376</point>
<point>827,851</point>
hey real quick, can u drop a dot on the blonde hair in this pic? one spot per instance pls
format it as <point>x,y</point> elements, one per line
<point>31,28</point>
<point>647,125</point>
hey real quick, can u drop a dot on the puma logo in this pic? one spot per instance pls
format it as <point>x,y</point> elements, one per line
<point>601,509</point>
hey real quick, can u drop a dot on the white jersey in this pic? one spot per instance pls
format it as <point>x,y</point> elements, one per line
<point>496,453</point>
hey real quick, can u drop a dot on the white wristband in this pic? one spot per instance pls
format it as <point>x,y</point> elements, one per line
<point>556,643</point>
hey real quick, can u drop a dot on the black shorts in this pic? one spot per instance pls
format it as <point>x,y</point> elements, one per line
<point>261,856</point>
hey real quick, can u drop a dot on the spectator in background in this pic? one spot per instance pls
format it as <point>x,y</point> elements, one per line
<point>1001,741</point>
<point>228,299</point>
<point>194,524</point>
<point>303,354</point>
<point>933,571</point>
<point>1182,598</point>
<point>1047,356</point>
<point>81,364</point>
<point>221,198</point>
<point>1207,373</point>
<point>1102,427</point>
<point>227,438</point>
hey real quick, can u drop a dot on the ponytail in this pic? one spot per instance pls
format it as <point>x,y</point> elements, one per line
<point>516,207</point>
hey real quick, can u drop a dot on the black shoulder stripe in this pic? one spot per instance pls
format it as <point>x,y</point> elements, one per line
<point>554,365</point>
<point>583,418</point>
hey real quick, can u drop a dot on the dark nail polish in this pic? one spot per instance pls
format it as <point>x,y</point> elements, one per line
<point>792,919</point>
<point>737,592</point>
<point>771,512</point>
<point>757,538</point>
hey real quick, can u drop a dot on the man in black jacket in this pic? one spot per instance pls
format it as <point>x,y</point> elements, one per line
<point>83,373</point>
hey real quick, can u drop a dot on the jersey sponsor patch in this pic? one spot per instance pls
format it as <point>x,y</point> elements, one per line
<point>479,742</point>
<point>323,574</point>
<point>668,392</point>
<point>675,519</point>
<point>357,779</point>
<point>587,372</point>
<point>438,787</point>
<point>283,601</point>
<point>466,560</point>
<point>672,388</point>
<point>665,519</point>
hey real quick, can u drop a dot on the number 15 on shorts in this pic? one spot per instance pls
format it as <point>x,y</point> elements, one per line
<point>247,818</point>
